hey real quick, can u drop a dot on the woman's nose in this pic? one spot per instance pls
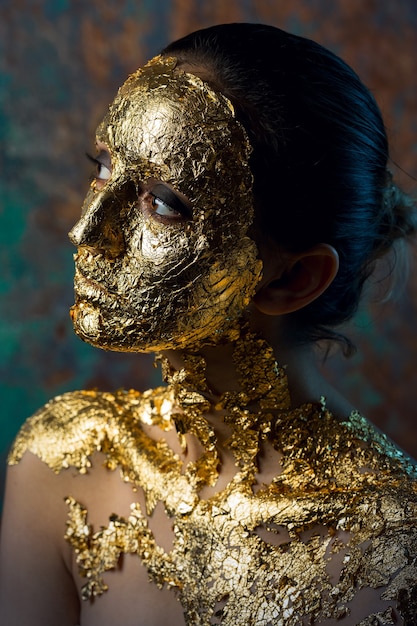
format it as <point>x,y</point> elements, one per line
<point>100,225</point>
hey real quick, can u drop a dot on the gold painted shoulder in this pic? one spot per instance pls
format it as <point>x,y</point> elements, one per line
<point>71,427</point>
<point>382,446</point>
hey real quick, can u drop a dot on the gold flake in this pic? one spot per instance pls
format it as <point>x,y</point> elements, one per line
<point>333,477</point>
<point>145,282</point>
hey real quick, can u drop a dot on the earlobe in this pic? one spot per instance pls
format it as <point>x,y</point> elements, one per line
<point>305,277</point>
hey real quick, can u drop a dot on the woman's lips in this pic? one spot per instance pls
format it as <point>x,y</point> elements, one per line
<point>87,286</point>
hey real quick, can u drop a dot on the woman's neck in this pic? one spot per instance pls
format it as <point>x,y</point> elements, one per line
<point>249,365</point>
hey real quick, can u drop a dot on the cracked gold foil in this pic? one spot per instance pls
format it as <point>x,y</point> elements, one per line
<point>142,284</point>
<point>344,499</point>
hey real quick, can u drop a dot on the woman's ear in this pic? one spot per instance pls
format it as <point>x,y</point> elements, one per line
<point>304,278</point>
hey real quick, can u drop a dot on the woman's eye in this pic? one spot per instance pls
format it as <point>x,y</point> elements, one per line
<point>166,203</point>
<point>103,172</point>
<point>162,208</point>
<point>103,166</point>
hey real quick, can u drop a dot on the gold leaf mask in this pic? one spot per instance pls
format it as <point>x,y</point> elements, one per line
<point>164,260</point>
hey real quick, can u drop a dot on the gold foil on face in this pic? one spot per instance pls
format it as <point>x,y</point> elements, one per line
<point>145,285</point>
<point>339,518</point>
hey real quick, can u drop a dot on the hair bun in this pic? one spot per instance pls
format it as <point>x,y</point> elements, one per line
<point>399,216</point>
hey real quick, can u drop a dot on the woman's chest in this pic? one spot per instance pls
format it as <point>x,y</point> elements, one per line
<point>236,558</point>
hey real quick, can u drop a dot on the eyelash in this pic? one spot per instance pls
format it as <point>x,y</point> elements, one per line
<point>99,164</point>
<point>169,199</point>
<point>156,198</point>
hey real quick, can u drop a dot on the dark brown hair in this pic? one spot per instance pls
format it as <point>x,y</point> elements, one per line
<point>319,156</point>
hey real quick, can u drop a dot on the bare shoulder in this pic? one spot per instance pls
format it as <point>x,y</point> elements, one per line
<point>65,452</point>
<point>36,586</point>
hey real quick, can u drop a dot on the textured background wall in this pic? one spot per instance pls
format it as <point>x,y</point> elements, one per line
<point>60,65</point>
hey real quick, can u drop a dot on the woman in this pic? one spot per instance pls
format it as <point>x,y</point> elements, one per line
<point>241,200</point>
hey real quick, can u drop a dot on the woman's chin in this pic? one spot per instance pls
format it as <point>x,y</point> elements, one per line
<point>124,334</point>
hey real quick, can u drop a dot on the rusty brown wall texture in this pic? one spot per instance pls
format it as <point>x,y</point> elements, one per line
<point>61,62</point>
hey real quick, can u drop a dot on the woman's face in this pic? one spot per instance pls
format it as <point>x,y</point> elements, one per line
<point>164,260</point>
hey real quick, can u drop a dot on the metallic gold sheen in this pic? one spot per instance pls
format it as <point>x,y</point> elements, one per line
<point>143,284</point>
<point>343,498</point>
